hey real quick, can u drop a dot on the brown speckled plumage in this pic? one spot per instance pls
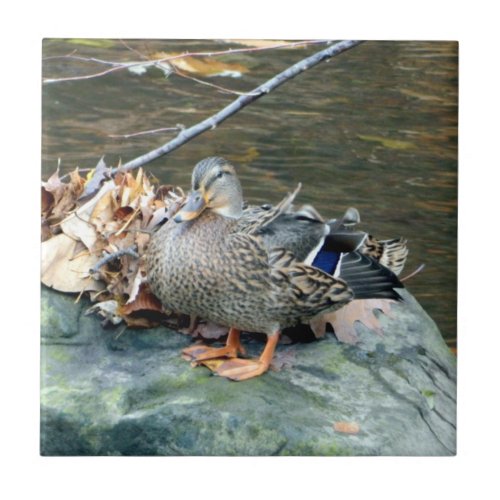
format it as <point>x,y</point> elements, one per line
<point>203,267</point>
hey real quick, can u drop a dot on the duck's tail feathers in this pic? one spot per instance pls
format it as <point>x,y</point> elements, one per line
<point>390,253</point>
<point>367,278</point>
<point>394,254</point>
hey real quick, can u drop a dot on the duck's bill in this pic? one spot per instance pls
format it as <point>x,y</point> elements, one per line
<point>195,204</point>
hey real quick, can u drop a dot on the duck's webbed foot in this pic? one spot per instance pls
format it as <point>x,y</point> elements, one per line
<point>200,352</point>
<point>243,369</point>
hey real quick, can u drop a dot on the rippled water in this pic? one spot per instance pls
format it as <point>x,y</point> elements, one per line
<point>374,128</point>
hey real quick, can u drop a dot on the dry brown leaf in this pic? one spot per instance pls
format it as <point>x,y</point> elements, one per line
<point>108,310</point>
<point>346,427</point>
<point>103,210</point>
<point>46,233</point>
<point>202,66</point>
<point>63,272</point>
<point>123,213</point>
<point>66,198</point>
<point>343,320</point>
<point>144,301</point>
<point>141,322</point>
<point>135,286</point>
<point>47,201</point>
<point>55,186</point>
<point>78,225</point>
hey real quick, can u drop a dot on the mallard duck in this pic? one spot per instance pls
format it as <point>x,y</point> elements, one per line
<point>209,261</point>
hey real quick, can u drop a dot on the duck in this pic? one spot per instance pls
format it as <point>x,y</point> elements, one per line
<point>239,270</point>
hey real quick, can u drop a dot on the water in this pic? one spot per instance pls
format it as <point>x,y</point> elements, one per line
<point>374,128</point>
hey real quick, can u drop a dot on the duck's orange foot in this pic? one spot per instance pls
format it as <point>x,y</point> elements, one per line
<point>200,352</point>
<point>241,369</point>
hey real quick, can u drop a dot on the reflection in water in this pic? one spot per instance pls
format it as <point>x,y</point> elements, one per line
<point>375,128</point>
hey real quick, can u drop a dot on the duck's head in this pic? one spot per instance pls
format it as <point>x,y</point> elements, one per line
<point>214,187</point>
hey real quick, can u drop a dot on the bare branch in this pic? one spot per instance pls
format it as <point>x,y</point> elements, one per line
<point>146,132</point>
<point>130,251</point>
<point>238,104</point>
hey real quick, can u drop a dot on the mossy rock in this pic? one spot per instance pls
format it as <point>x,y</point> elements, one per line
<point>134,395</point>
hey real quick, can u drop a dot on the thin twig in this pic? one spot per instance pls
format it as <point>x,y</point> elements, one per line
<point>130,251</point>
<point>138,52</point>
<point>418,270</point>
<point>203,82</point>
<point>238,104</point>
<point>146,132</point>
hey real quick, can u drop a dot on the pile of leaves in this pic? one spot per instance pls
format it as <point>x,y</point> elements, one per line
<point>95,233</point>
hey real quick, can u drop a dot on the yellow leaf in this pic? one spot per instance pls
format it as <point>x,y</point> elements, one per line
<point>202,66</point>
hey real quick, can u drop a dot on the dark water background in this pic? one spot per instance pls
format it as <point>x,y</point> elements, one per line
<point>374,128</point>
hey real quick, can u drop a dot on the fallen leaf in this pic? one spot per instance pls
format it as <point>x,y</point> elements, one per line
<point>123,213</point>
<point>108,310</point>
<point>343,320</point>
<point>346,427</point>
<point>65,194</point>
<point>144,300</point>
<point>78,225</point>
<point>46,233</point>
<point>64,273</point>
<point>203,66</point>
<point>47,201</point>
<point>54,185</point>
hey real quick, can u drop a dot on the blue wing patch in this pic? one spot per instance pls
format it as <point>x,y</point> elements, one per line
<point>326,260</point>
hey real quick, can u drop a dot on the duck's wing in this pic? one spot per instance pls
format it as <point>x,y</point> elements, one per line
<point>311,290</point>
<point>256,218</point>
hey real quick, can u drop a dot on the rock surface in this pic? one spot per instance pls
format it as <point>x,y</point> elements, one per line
<point>133,394</point>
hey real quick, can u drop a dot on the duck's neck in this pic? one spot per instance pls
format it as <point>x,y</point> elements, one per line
<point>230,206</point>
<point>232,211</point>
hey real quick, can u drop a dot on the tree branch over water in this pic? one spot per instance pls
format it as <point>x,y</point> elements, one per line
<point>238,104</point>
